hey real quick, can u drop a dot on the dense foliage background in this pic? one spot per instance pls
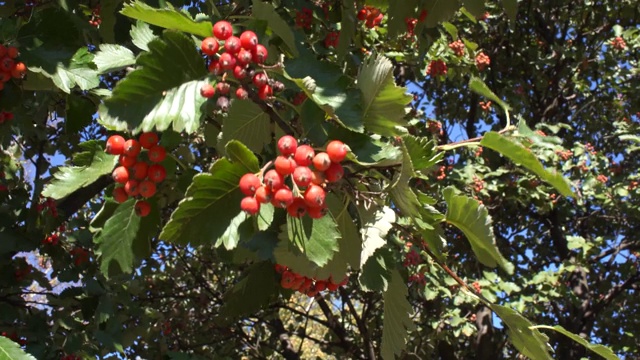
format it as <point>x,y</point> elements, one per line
<point>493,215</point>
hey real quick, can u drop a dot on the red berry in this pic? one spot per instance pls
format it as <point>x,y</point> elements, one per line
<point>156,173</point>
<point>334,173</point>
<point>337,151</point>
<point>287,145</point>
<point>244,57</point>
<point>260,54</point>
<point>120,195</point>
<point>241,93</point>
<point>147,188</point>
<point>12,51</point>
<point>321,161</point>
<point>249,40</point>
<point>250,205</point>
<point>314,196</point>
<point>239,72</point>
<point>232,45</point>
<point>283,198</point>
<point>147,140</point>
<point>207,91</point>
<point>317,212</point>
<point>6,64</point>
<point>223,88</point>
<point>157,153</point>
<point>318,177</point>
<point>260,79</point>
<point>273,180</point>
<point>131,188</point>
<point>302,176</point>
<point>227,61</point>
<point>222,30</point>
<point>120,174</point>
<point>210,46</point>
<point>215,68</point>
<point>304,155</point>
<point>115,145</point>
<point>362,14</point>
<point>249,183</point>
<point>142,208</point>
<point>127,161</point>
<point>131,147</point>
<point>19,70</point>
<point>285,165</point>
<point>265,92</point>
<point>298,208</point>
<point>263,195</point>
<point>139,170</point>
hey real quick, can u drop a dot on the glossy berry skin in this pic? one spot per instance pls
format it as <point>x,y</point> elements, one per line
<point>249,183</point>
<point>318,177</point>
<point>232,45</point>
<point>147,188</point>
<point>241,93</point>
<point>283,198</point>
<point>142,208</point>
<point>227,61</point>
<point>337,151</point>
<point>115,145</point>
<point>127,161</point>
<point>287,145</point>
<point>260,79</point>
<point>263,195</point>
<point>334,173</point>
<point>156,173</point>
<point>317,212</point>
<point>248,40</point>
<point>120,195</point>
<point>284,165</point>
<point>260,54</point>
<point>210,46</point>
<point>215,68</point>
<point>298,208</point>
<point>12,52</point>
<point>273,180</point>
<point>314,196</point>
<point>139,170</point>
<point>302,176</point>
<point>6,64</point>
<point>148,140</point>
<point>304,155</point>
<point>120,175</point>
<point>157,154</point>
<point>265,92</point>
<point>19,70</point>
<point>250,205</point>
<point>131,147</point>
<point>222,30</point>
<point>131,188</point>
<point>244,57</point>
<point>207,91</point>
<point>223,88</point>
<point>321,161</point>
<point>239,73</point>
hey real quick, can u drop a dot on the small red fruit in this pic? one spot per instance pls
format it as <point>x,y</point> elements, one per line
<point>120,174</point>
<point>250,205</point>
<point>321,161</point>
<point>317,212</point>
<point>127,161</point>
<point>207,91</point>
<point>132,147</point>
<point>6,64</point>
<point>334,173</point>
<point>260,79</point>
<point>337,151</point>
<point>244,57</point>
<point>302,176</point>
<point>265,92</point>
<point>248,40</point>
<point>287,145</point>
<point>156,173</point>
<point>115,145</point>
<point>260,54</point>
<point>318,177</point>
<point>273,180</point>
<point>227,61</point>
<point>239,72</point>
<point>147,188</point>
<point>263,195</point>
<point>283,198</point>
<point>304,155</point>
<point>210,46</point>
<point>232,45</point>
<point>13,52</point>
<point>241,93</point>
<point>314,196</point>
<point>223,88</point>
<point>19,70</point>
<point>298,208</point>
<point>249,183</point>
<point>142,208</point>
<point>285,165</point>
<point>215,68</point>
<point>222,30</point>
<point>139,170</point>
<point>120,195</point>
<point>131,188</point>
<point>157,153</point>
<point>148,140</point>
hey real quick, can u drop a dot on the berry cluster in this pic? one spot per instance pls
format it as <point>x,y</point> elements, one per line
<point>304,18</point>
<point>138,177</point>
<point>309,172</point>
<point>371,16</point>
<point>482,61</point>
<point>331,40</point>
<point>80,255</point>
<point>51,240</point>
<point>95,16</point>
<point>457,47</point>
<point>238,56</point>
<point>306,285</point>
<point>14,337</point>
<point>618,43</point>
<point>48,204</point>
<point>9,67</point>
<point>437,68</point>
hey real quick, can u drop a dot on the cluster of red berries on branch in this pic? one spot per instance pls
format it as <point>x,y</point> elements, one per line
<point>95,16</point>
<point>14,337</point>
<point>48,204</point>
<point>52,240</point>
<point>239,54</point>
<point>482,61</point>
<point>304,18</point>
<point>331,40</point>
<point>306,285</point>
<point>457,47</point>
<point>9,68</point>
<point>437,68</point>
<point>618,43</point>
<point>371,16</point>
<point>80,255</point>
<point>137,176</point>
<point>412,22</point>
<point>309,173</point>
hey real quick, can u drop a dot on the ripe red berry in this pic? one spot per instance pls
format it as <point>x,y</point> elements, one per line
<point>227,61</point>
<point>120,175</point>
<point>244,57</point>
<point>207,91</point>
<point>232,45</point>
<point>139,170</point>
<point>283,197</point>
<point>287,145</point>
<point>248,40</point>
<point>260,54</point>
<point>302,176</point>
<point>362,14</point>
<point>210,46</point>
<point>249,183</point>
<point>298,208</point>
<point>250,205</point>
<point>157,153</point>
<point>156,173</point>
<point>285,165</point>
<point>120,195</point>
<point>147,188</point>
<point>6,64</point>
<point>314,196</point>
<point>304,155</point>
<point>241,93</point>
<point>222,30</point>
<point>19,70</point>
<point>13,52</point>
<point>115,145</point>
<point>142,208</point>
<point>321,161</point>
<point>223,88</point>
<point>260,79</point>
<point>215,68</point>
<point>337,151</point>
<point>263,195</point>
<point>265,92</point>
<point>131,188</point>
<point>239,72</point>
<point>131,147</point>
<point>318,177</point>
<point>127,161</point>
<point>334,173</point>
<point>147,140</point>
<point>317,212</point>
<point>273,180</point>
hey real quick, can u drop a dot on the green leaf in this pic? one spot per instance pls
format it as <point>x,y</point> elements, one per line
<point>475,7</point>
<point>478,86</point>
<point>601,350</point>
<point>115,241</point>
<point>522,334</point>
<point>316,238</point>
<point>80,110</point>
<point>168,18</point>
<point>12,351</point>
<point>162,90</point>
<point>254,291</point>
<point>66,73</point>
<point>350,242</point>
<point>265,11</point>
<point>108,20</point>
<point>347,28</point>
<point>71,178</point>
<point>113,57</point>
<point>375,273</point>
<point>239,228</point>
<point>401,193</point>
<point>523,157</point>
<point>247,123</point>
<point>473,219</point>
<point>423,152</point>
<point>511,9</point>
<point>198,219</point>
<point>141,35</point>
<point>396,319</point>
<point>383,103</point>
<point>440,10</point>
<point>366,150</point>
<point>376,224</point>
